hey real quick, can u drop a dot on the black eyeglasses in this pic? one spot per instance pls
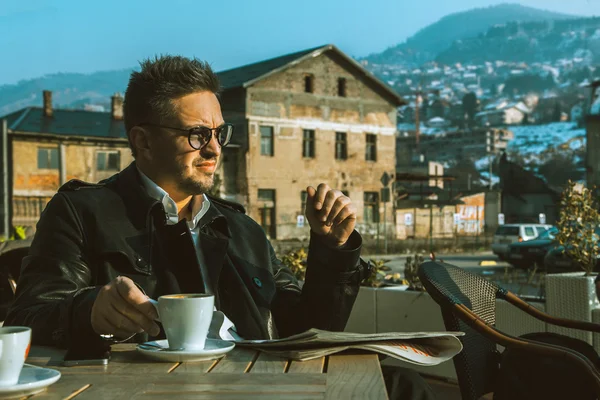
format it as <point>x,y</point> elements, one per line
<point>199,136</point>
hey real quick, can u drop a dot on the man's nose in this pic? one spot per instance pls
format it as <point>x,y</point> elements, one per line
<point>212,148</point>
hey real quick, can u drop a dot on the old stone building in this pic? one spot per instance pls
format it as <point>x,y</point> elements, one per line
<point>301,119</point>
<point>45,147</point>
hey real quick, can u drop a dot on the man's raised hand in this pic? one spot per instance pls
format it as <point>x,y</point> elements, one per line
<point>330,214</point>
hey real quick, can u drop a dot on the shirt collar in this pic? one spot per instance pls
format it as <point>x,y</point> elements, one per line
<point>159,194</point>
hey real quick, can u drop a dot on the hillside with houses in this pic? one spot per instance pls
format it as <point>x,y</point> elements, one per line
<point>504,67</point>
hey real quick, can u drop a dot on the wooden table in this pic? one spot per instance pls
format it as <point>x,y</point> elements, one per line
<point>241,374</point>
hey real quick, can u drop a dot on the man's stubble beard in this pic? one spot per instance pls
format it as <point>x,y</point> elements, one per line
<point>196,184</point>
<point>192,186</point>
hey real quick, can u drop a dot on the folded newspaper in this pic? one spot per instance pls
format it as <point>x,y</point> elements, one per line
<point>421,348</point>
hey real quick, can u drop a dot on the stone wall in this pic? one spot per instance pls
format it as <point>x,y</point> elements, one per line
<point>33,187</point>
<point>280,101</point>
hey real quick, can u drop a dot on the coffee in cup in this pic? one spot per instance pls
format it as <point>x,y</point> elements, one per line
<point>186,319</point>
<point>15,342</point>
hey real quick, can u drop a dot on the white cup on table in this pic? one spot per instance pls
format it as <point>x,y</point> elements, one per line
<point>15,342</point>
<point>185,319</point>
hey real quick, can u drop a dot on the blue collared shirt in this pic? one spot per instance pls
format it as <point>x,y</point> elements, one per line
<point>159,194</point>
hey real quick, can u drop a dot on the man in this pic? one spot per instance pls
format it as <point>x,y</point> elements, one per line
<point>101,250</point>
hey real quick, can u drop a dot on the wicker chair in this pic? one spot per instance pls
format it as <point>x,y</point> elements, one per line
<point>468,304</point>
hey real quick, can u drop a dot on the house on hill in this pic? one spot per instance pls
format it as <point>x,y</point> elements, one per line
<point>525,196</point>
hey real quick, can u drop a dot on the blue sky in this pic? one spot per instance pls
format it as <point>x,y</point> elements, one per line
<point>38,37</point>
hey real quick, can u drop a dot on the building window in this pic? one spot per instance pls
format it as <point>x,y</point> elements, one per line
<point>342,87</point>
<point>266,141</point>
<point>308,143</point>
<point>48,158</point>
<point>371,151</point>
<point>266,202</point>
<point>308,83</point>
<point>303,197</point>
<point>371,207</point>
<point>341,146</point>
<point>108,161</point>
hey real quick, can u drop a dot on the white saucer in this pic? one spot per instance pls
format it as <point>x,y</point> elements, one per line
<point>31,380</point>
<point>159,350</point>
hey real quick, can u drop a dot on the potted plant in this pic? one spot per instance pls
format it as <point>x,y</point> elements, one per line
<point>572,295</point>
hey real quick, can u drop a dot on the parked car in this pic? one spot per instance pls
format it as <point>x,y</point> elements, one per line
<point>557,261</point>
<point>513,233</point>
<point>527,253</point>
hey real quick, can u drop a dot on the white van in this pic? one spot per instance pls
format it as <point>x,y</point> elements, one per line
<point>511,233</point>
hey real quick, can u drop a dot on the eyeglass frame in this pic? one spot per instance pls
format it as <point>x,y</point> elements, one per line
<point>190,131</point>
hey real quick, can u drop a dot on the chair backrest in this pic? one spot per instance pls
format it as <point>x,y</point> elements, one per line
<point>478,364</point>
<point>11,255</point>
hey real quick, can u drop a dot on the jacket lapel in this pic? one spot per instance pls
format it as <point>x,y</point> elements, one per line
<point>180,258</point>
<point>213,251</point>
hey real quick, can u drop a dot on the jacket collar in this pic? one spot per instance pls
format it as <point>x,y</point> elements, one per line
<point>159,194</point>
<point>141,206</point>
<point>216,220</point>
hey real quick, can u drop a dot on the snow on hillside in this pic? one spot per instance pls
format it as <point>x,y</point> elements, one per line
<point>534,139</point>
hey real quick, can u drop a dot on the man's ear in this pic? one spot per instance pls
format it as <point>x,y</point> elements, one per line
<point>139,138</point>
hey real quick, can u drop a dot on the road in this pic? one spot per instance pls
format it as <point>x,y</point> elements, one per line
<point>486,264</point>
<point>469,261</point>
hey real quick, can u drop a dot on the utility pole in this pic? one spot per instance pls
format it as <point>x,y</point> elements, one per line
<point>489,150</point>
<point>491,185</point>
<point>385,198</point>
<point>418,97</point>
<point>430,228</point>
<point>5,175</point>
<point>417,122</point>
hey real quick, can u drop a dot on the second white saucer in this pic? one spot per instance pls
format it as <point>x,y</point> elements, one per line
<point>159,350</point>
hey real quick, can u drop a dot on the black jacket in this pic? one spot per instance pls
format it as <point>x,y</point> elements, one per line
<point>91,233</point>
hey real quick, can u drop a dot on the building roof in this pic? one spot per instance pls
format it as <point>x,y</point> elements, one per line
<point>247,75</point>
<point>74,123</point>
<point>517,181</point>
<point>594,84</point>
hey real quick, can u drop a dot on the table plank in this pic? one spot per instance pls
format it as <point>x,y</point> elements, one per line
<point>108,386</point>
<point>269,364</point>
<point>199,367</point>
<point>124,359</point>
<point>67,387</point>
<point>237,360</point>
<point>233,396</point>
<point>130,375</point>
<point>307,367</point>
<point>352,376</point>
<point>243,386</point>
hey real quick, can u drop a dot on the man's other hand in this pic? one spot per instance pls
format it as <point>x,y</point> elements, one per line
<point>121,309</point>
<point>330,214</point>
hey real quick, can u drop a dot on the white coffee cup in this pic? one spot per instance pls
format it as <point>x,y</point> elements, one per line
<point>186,319</point>
<point>15,342</point>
